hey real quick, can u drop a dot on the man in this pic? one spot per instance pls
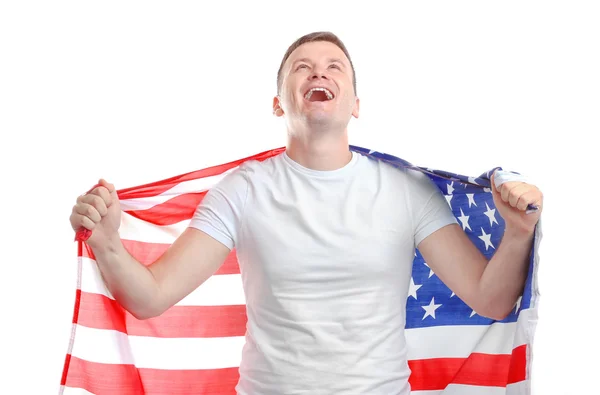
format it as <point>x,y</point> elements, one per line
<point>325,239</point>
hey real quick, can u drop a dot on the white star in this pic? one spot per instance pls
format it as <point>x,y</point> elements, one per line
<point>472,313</point>
<point>452,294</point>
<point>430,271</point>
<point>518,304</point>
<point>464,219</point>
<point>490,213</point>
<point>486,239</point>
<point>430,309</point>
<point>372,151</point>
<point>448,199</point>
<point>471,200</point>
<point>486,189</point>
<point>451,188</point>
<point>472,180</point>
<point>413,288</point>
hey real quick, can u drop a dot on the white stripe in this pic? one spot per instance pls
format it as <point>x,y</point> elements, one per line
<point>133,228</point>
<point>520,388</point>
<point>218,290</point>
<point>197,185</point>
<point>74,391</point>
<point>109,346</point>
<point>498,338</point>
<point>460,389</point>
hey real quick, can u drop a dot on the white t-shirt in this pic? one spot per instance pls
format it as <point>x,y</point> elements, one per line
<point>326,261</point>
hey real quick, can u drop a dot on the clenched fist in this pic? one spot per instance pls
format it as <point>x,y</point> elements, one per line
<point>98,211</point>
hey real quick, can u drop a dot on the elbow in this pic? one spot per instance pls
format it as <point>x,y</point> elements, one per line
<point>145,311</point>
<point>141,314</point>
<point>492,311</point>
<point>497,315</point>
<point>145,314</point>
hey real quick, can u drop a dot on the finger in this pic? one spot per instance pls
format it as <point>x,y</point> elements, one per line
<point>504,191</point>
<point>78,221</point>
<point>110,187</point>
<point>89,211</point>
<point>532,197</point>
<point>104,194</point>
<point>96,201</point>
<point>516,192</point>
<point>86,223</point>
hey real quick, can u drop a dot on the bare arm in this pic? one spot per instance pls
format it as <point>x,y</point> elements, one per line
<point>148,291</point>
<point>144,291</point>
<point>490,288</point>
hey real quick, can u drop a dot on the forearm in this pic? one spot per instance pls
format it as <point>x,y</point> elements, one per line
<point>129,281</point>
<point>504,277</point>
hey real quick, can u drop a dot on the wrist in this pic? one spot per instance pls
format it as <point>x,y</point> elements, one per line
<point>517,234</point>
<point>111,247</point>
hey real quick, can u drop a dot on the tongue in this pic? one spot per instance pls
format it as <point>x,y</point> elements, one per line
<point>318,96</point>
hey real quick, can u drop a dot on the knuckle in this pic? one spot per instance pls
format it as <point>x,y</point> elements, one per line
<point>90,211</point>
<point>101,206</point>
<point>98,201</point>
<point>106,196</point>
<point>89,224</point>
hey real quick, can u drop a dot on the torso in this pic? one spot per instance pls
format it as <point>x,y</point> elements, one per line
<point>326,263</point>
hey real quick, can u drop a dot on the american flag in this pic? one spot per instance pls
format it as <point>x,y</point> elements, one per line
<point>195,346</point>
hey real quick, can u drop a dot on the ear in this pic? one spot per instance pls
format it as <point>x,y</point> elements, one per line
<point>356,108</point>
<point>277,110</point>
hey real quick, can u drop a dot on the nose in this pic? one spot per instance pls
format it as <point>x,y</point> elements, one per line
<point>317,74</point>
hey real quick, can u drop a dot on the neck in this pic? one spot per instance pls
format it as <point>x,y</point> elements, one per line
<point>323,153</point>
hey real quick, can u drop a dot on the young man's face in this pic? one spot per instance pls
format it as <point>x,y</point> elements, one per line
<point>322,65</point>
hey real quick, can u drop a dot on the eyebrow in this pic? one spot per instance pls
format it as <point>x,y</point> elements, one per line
<point>330,60</point>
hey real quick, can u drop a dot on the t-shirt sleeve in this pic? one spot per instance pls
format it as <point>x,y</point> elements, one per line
<point>220,213</point>
<point>429,207</point>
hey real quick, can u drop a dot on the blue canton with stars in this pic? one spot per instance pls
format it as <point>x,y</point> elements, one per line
<point>430,302</point>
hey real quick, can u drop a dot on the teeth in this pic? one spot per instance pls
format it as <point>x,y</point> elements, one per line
<point>310,92</point>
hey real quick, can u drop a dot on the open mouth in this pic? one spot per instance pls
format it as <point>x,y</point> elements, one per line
<point>318,94</point>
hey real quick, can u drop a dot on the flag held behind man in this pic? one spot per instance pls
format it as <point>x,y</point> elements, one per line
<point>195,346</point>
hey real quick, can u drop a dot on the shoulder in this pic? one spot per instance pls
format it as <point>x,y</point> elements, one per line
<point>263,167</point>
<point>407,176</point>
<point>247,172</point>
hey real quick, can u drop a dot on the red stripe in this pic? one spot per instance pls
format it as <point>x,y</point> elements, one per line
<point>517,370</point>
<point>106,379</point>
<point>172,211</point>
<point>100,312</point>
<point>433,374</point>
<point>158,187</point>
<point>146,253</point>
<point>477,369</point>
<point>66,370</point>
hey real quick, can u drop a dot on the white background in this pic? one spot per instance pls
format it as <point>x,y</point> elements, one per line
<point>140,91</point>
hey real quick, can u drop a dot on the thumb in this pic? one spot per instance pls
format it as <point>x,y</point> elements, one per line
<point>114,197</point>
<point>107,185</point>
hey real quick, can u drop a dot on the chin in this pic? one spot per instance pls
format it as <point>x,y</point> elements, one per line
<point>316,119</point>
